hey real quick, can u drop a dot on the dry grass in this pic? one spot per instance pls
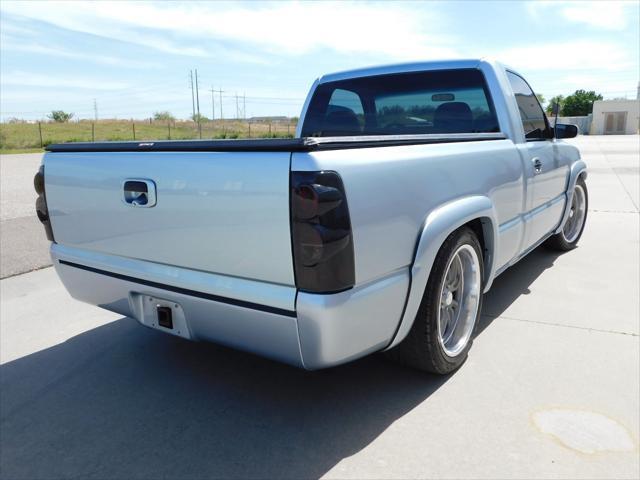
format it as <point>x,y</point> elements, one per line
<point>26,136</point>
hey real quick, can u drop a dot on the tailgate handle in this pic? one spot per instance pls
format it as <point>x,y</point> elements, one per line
<point>139,192</point>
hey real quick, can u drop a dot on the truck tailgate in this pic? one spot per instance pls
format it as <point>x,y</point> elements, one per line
<point>219,212</point>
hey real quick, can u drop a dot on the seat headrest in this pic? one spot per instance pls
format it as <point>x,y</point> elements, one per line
<point>341,120</point>
<point>453,117</point>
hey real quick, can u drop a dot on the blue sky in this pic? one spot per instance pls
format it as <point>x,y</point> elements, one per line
<point>134,58</point>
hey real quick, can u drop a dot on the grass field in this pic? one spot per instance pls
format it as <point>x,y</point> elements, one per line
<point>23,137</point>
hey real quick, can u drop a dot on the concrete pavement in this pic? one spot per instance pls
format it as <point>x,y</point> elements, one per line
<point>23,246</point>
<point>551,388</point>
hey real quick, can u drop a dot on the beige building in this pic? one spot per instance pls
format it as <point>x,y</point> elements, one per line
<point>615,117</point>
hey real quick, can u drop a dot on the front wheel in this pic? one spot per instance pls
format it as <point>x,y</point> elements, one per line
<point>442,332</point>
<point>567,238</point>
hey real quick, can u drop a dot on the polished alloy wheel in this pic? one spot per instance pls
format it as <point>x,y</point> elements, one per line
<point>459,299</point>
<point>573,225</point>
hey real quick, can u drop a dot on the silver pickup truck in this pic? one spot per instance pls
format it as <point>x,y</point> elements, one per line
<point>407,190</point>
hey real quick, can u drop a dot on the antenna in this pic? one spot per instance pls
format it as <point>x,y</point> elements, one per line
<point>556,108</point>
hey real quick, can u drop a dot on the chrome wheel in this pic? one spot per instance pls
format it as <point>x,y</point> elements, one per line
<point>573,224</point>
<point>459,300</point>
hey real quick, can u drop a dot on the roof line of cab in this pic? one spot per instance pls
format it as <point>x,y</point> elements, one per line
<point>401,68</point>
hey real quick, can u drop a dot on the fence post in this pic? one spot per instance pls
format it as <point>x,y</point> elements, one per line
<point>288,128</point>
<point>249,129</point>
<point>133,127</point>
<point>169,128</point>
<point>40,132</point>
<point>93,132</point>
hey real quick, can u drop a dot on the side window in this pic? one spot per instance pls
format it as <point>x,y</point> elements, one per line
<point>531,113</point>
<point>344,112</point>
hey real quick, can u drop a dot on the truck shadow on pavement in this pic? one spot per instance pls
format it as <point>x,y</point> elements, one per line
<point>122,401</point>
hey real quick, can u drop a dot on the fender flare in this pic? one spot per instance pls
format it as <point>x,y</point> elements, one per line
<point>438,225</point>
<point>579,168</point>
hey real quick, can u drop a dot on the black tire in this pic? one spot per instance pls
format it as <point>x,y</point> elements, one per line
<point>421,348</point>
<point>559,241</point>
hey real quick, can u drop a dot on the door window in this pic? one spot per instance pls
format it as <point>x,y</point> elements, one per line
<point>533,118</point>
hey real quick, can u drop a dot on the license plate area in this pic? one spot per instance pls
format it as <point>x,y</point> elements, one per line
<point>165,315</point>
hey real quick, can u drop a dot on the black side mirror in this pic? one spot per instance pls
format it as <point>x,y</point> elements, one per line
<point>565,130</point>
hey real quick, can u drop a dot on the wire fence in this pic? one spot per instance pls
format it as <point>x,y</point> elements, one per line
<point>33,135</point>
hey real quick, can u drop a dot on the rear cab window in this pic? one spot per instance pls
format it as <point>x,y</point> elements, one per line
<point>439,101</point>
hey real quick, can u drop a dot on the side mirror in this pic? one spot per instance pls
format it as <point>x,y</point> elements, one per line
<point>565,130</point>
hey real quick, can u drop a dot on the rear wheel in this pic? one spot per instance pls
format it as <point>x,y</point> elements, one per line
<point>442,332</point>
<point>567,238</point>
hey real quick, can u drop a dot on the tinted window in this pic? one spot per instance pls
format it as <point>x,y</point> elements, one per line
<point>344,112</point>
<point>447,101</point>
<point>531,113</point>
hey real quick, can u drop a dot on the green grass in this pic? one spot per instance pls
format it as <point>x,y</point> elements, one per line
<point>23,137</point>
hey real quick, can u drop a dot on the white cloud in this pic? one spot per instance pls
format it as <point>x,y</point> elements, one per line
<point>397,31</point>
<point>609,15</point>
<point>10,45</point>
<point>31,79</point>
<point>577,55</point>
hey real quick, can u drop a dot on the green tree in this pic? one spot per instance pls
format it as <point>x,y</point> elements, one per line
<point>541,98</point>
<point>580,103</point>
<point>164,116</point>
<point>60,116</point>
<point>202,118</point>
<point>559,99</point>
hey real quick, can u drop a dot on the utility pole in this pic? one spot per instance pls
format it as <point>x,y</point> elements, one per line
<point>237,107</point>
<point>213,104</point>
<point>244,106</point>
<point>193,100</point>
<point>95,109</point>
<point>220,92</point>
<point>198,105</point>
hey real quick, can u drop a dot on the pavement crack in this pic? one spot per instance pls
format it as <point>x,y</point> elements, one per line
<point>553,324</point>
<point>613,211</point>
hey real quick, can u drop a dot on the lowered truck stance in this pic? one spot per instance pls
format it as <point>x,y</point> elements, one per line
<point>408,189</point>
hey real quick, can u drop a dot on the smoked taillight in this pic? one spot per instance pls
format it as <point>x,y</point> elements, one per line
<point>41,203</point>
<point>321,233</point>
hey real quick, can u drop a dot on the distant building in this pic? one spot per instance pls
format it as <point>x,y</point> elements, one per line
<point>615,117</point>
<point>269,119</point>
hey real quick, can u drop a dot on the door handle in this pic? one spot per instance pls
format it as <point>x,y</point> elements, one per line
<point>139,192</point>
<point>537,164</point>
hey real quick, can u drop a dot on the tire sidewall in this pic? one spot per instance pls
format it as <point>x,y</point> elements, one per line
<point>582,184</point>
<point>439,357</point>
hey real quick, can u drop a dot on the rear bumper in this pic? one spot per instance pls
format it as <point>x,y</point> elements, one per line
<point>305,330</point>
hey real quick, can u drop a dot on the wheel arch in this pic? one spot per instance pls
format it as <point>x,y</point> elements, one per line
<point>578,170</point>
<point>478,213</point>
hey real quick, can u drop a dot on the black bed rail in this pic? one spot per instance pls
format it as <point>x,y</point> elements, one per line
<point>273,144</point>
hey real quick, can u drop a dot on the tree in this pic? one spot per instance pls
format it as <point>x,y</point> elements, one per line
<point>541,98</point>
<point>164,116</point>
<point>202,118</point>
<point>558,99</point>
<point>580,103</point>
<point>60,116</point>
